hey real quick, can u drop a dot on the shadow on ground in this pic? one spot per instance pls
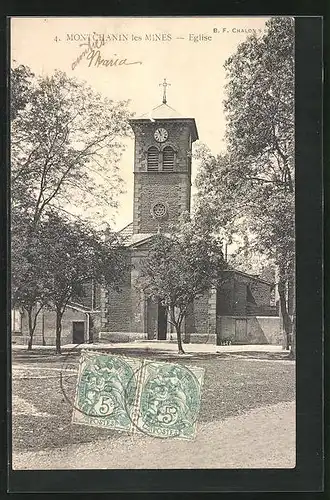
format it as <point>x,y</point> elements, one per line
<point>273,356</point>
<point>234,383</point>
<point>50,356</point>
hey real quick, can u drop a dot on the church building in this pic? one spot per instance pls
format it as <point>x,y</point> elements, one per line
<point>162,191</point>
<point>239,311</point>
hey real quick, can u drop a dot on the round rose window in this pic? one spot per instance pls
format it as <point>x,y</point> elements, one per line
<point>159,210</point>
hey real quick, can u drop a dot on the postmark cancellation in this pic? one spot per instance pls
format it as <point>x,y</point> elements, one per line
<point>134,395</point>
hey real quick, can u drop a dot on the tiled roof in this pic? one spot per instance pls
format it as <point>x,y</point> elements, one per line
<point>126,233</point>
<point>140,237</point>
<point>78,306</point>
<point>248,275</point>
<point>128,238</point>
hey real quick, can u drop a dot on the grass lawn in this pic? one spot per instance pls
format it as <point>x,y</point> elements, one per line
<point>232,385</point>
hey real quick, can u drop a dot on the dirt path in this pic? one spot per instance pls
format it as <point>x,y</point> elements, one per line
<point>261,438</point>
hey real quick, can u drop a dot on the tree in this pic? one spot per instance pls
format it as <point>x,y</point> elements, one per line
<point>20,89</point>
<point>62,257</point>
<point>180,267</point>
<point>252,184</point>
<point>29,280</point>
<point>76,255</point>
<point>66,141</point>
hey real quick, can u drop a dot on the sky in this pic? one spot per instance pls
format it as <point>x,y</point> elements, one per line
<point>188,52</point>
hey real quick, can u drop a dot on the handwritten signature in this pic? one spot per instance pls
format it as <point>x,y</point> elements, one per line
<point>93,54</point>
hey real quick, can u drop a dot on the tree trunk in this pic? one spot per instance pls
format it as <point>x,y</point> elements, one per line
<point>59,315</point>
<point>292,354</point>
<point>179,339</point>
<point>177,326</point>
<point>91,330</point>
<point>292,288</point>
<point>43,330</point>
<point>291,297</point>
<point>31,331</point>
<point>32,323</point>
<point>287,325</point>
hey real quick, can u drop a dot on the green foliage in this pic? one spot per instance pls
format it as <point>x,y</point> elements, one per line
<point>180,267</point>
<point>76,255</point>
<point>249,190</point>
<point>20,89</point>
<point>260,103</point>
<point>29,281</point>
<point>52,263</point>
<point>66,142</point>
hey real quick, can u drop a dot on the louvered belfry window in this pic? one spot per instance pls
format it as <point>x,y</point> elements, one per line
<point>168,159</point>
<point>153,159</point>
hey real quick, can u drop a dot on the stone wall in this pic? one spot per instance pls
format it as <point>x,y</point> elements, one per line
<point>116,306</point>
<point>200,338</point>
<point>137,301</point>
<point>261,292</point>
<point>118,310</point>
<point>95,325</point>
<point>201,315</point>
<point>171,188</point>
<point>89,296</point>
<point>118,337</point>
<point>241,295</point>
<point>47,321</point>
<point>258,329</point>
<point>200,325</point>
<point>178,139</point>
<point>225,296</point>
<point>150,188</point>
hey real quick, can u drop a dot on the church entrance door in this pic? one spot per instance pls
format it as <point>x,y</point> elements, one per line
<point>156,320</point>
<point>78,332</point>
<point>162,322</point>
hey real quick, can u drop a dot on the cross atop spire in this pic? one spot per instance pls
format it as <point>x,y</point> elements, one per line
<point>164,84</point>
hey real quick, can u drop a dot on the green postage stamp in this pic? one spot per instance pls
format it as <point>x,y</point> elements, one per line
<point>160,399</point>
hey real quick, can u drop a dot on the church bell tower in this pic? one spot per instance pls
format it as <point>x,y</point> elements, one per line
<point>162,167</point>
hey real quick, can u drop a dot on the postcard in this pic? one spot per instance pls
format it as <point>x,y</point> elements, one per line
<point>153,243</point>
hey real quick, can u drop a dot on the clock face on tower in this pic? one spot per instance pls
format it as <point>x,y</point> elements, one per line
<point>161,135</point>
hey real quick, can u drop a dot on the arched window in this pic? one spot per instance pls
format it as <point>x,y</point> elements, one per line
<point>152,159</point>
<point>168,159</point>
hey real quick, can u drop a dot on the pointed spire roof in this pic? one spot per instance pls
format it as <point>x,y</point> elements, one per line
<point>161,111</point>
<point>165,112</point>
